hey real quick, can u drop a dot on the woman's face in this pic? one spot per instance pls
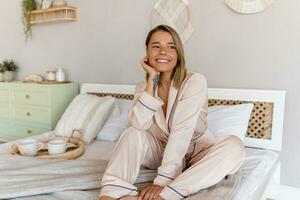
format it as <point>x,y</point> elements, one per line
<point>161,52</point>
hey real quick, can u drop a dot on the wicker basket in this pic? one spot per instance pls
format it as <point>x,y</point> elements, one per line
<point>75,148</point>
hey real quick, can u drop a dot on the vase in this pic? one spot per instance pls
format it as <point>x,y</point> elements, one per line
<point>38,4</point>
<point>9,76</point>
<point>59,3</point>
<point>1,76</point>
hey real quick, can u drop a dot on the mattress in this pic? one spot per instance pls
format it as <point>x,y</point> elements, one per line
<point>248,183</point>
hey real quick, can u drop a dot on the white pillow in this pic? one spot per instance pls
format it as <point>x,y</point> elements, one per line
<point>222,120</point>
<point>229,120</point>
<point>116,124</point>
<point>87,113</point>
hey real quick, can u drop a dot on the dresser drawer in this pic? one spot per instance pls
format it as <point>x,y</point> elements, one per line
<point>31,114</point>
<point>20,130</point>
<point>29,108</point>
<point>5,133</point>
<point>4,95</point>
<point>35,97</point>
<point>4,110</point>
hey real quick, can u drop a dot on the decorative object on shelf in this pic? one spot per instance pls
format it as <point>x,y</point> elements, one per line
<point>59,3</point>
<point>175,13</point>
<point>51,75</point>
<point>60,75</point>
<point>38,4</point>
<point>53,14</point>
<point>10,67</point>
<point>248,6</point>
<point>47,4</point>
<point>1,72</point>
<point>27,7</point>
<point>33,78</point>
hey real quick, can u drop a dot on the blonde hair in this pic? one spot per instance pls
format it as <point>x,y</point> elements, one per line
<point>179,72</point>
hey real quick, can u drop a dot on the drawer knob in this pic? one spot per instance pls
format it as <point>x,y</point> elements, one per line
<point>29,131</point>
<point>27,96</point>
<point>28,114</point>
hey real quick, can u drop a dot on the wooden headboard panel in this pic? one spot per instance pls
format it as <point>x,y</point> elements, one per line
<point>266,122</point>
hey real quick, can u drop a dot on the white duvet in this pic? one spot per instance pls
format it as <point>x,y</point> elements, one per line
<point>32,178</point>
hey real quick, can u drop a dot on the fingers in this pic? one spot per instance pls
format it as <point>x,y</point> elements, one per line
<point>147,67</point>
<point>158,191</point>
<point>146,196</point>
<point>156,194</point>
<point>146,193</point>
<point>150,192</point>
<point>143,192</point>
<point>144,61</point>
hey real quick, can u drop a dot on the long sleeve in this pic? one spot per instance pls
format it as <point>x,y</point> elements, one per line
<point>191,106</point>
<point>140,116</point>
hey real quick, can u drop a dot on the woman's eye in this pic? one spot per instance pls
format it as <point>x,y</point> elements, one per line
<point>155,46</point>
<point>172,47</point>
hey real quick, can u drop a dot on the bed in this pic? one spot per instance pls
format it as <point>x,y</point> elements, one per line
<point>28,178</point>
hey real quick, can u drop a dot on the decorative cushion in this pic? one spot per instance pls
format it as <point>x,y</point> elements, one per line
<point>229,120</point>
<point>86,113</point>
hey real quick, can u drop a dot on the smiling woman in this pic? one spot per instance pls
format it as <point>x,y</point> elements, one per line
<point>168,131</point>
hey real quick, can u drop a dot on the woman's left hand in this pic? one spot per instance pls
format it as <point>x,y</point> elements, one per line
<point>150,192</point>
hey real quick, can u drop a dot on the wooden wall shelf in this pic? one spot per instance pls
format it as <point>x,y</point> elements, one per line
<point>53,15</point>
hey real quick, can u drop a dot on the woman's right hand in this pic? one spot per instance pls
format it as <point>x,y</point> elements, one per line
<point>153,77</point>
<point>147,68</point>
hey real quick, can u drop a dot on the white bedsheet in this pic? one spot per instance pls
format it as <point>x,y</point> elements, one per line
<point>246,184</point>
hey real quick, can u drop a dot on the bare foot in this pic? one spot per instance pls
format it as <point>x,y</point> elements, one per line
<point>107,198</point>
<point>129,198</point>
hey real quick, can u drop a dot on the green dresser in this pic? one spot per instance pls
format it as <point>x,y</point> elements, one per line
<point>28,109</point>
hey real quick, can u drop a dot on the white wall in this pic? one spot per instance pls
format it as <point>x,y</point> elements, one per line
<point>233,51</point>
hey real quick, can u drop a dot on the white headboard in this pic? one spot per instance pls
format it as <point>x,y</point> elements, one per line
<point>277,97</point>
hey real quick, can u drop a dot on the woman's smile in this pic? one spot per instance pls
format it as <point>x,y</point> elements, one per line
<point>161,60</point>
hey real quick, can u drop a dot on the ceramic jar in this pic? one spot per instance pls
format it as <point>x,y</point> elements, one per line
<point>60,75</point>
<point>50,76</point>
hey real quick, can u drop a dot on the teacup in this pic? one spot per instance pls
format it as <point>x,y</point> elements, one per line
<point>57,146</point>
<point>29,147</point>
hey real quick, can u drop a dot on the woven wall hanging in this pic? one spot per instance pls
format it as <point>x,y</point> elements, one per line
<point>175,13</point>
<point>248,6</point>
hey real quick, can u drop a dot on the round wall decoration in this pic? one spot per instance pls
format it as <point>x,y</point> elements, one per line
<point>248,6</point>
<point>175,13</point>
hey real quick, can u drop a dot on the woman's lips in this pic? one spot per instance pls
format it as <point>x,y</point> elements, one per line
<point>162,60</point>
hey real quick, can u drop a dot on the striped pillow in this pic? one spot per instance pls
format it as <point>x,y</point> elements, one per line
<point>86,113</point>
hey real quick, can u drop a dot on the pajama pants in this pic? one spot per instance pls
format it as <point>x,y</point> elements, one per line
<point>204,167</point>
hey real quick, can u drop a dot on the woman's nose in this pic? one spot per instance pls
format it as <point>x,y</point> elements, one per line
<point>163,52</point>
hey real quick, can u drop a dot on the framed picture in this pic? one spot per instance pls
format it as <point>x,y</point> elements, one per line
<point>46,4</point>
